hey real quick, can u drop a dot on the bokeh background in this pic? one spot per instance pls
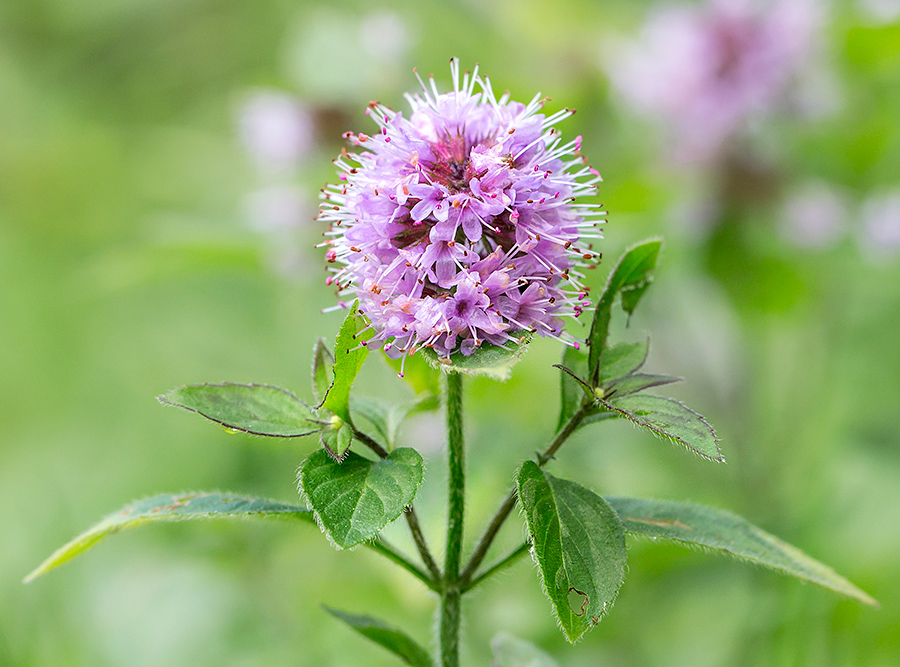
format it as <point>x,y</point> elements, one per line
<point>159,166</point>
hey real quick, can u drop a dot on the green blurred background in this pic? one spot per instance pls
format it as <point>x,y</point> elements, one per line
<point>130,263</point>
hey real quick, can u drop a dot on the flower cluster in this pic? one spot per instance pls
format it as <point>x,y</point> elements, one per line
<point>705,71</point>
<point>458,225</point>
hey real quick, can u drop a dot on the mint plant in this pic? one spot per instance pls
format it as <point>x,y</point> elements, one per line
<point>458,235</point>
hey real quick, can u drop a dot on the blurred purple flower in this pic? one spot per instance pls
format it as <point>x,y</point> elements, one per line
<point>881,224</point>
<point>814,217</point>
<point>277,130</point>
<point>705,72</point>
<point>457,226</point>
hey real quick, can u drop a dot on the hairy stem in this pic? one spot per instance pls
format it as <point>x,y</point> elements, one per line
<point>385,549</point>
<point>484,544</point>
<point>412,519</point>
<point>451,593</point>
<point>371,443</point>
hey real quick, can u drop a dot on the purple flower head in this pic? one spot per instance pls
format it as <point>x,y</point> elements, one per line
<point>457,226</point>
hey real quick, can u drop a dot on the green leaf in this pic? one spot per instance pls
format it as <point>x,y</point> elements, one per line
<point>355,499</point>
<point>321,370</point>
<point>493,360</point>
<point>336,440</point>
<point>253,408</point>
<point>172,507</point>
<point>671,420</point>
<point>631,277</point>
<point>349,355</point>
<point>571,392</point>
<point>387,419</point>
<point>395,641</point>
<point>511,651</point>
<point>578,543</point>
<point>689,523</point>
<point>621,360</point>
<point>636,382</point>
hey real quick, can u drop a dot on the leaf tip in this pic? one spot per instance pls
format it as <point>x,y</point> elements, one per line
<point>34,574</point>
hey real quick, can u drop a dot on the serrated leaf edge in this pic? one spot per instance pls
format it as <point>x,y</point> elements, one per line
<point>163,398</point>
<point>318,519</point>
<point>525,516</point>
<point>90,537</point>
<point>668,436</point>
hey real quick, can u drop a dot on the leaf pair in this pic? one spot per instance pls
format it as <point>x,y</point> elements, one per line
<point>355,501</point>
<point>271,411</point>
<point>259,409</point>
<point>167,508</point>
<point>607,381</point>
<point>578,542</point>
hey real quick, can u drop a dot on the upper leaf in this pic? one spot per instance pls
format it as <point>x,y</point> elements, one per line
<point>355,499</point>
<point>169,507</point>
<point>322,373</point>
<point>636,382</point>
<point>511,651</point>
<point>349,354</point>
<point>621,360</point>
<point>253,408</point>
<point>396,641</point>
<point>631,278</point>
<point>336,440</point>
<point>578,543</point>
<point>493,360</point>
<point>717,529</point>
<point>669,419</point>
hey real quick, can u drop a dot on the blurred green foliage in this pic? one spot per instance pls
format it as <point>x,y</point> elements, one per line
<point>127,268</point>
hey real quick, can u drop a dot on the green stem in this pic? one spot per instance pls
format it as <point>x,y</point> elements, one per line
<point>412,519</point>
<point>510,502</point>
<point>409,513</point>
<point>380,546</point>
<point>451,593</point>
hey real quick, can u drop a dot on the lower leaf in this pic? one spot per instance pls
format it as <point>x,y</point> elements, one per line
<point>578,543</point>
<point>169,507</point>
<point>395,641</point>
<point>717,529</point>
